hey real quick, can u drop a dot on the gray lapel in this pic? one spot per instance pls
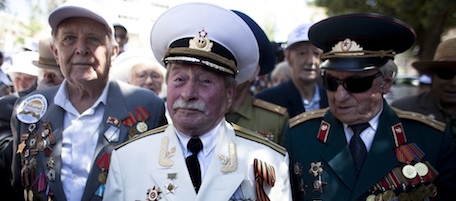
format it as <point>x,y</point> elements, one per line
<point>55,117</point>
<point>115,107</point>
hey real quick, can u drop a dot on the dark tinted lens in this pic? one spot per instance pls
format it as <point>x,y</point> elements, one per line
<point>358,85</point>
<point>351,84</point>
<point>445,74</point>
<point>330,83</point>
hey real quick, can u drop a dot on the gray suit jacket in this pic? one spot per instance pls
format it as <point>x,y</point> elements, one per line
<point>122,99</point>
<point>423,103</point>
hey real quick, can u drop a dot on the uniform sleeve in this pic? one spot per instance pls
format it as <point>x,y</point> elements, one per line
<point>447,170</point>
<point>294,179</point>
<point>114,186</point>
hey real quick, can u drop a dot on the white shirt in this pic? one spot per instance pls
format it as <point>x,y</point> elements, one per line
<point>209,141</point>
<point>367,135</point>
<point>79,140</point>
<point>313,104</point>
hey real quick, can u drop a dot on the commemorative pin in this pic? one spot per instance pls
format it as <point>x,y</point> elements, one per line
<point>32,109</point>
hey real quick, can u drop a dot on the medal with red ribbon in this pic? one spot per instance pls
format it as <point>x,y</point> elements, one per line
<point>141,116</point>
<point>130,120</point>
<point>103,164</point>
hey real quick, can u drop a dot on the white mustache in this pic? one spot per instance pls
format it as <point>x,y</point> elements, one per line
<point>179,103</point>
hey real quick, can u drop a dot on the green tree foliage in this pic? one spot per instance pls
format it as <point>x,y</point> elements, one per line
<point>429,18</point>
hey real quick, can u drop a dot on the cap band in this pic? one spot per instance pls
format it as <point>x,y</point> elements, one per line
<point>195,60</point>
<point>359,54</point>
<point>210,53</point>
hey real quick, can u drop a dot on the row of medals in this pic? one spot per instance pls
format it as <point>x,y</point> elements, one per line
<point>416,194</point>
<point>36,142</point>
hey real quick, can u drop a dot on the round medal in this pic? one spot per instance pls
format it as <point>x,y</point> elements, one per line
<point>421,169</point>
<point>141,127</point>
<point>409,172</point>
<point>102,177</point>
<point>317,184</point>
<point>371,197</point>
<point>388,195</point>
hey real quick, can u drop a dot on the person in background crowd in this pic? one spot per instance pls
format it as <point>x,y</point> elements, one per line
<point>63,135</point>
<point>5,80</point>
<point>121,36</point>
<point>23,73</point>
<point>49,73</point>
<point>424,83</point>
<point>361,148</point>
<point>201,156</point>
<point>139,67</point>
<point>257,115</point>
<point>302,92</point>
<point>440,102</point>
<point>281,73</point>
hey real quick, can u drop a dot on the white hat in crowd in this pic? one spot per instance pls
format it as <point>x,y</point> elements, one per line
<point>81,8</point>
<point>22,63</point>
<point>299,34</point>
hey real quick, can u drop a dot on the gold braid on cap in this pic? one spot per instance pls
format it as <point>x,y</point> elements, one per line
<point>359,54</point>
<point>189,54</point>
<point>351,49</point>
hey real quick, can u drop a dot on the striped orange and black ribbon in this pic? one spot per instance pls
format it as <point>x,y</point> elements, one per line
<point>264,173</point>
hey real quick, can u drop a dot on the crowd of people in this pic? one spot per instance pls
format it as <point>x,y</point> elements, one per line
<point>211,111</point>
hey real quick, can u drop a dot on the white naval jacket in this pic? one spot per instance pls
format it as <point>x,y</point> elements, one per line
<point>146,163</point>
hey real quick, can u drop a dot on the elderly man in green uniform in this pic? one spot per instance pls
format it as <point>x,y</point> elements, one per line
<point>267,119</point>
<point>361,148</point>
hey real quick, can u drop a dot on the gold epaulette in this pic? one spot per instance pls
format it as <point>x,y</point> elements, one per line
<point>160,129</point>
<point>270,106</point>
<point>421,118</point>
<point>250,135</point>
<point>306,116</point>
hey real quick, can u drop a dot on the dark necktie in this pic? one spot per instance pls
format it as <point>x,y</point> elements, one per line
<point>357,146</point>
<point>194,145</point>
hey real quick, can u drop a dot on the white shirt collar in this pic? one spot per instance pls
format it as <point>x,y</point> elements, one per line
<point>208,139</point>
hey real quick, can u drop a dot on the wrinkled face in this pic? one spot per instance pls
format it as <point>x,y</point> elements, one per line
<point>197,97</point>
<point>353,108</point>
<point>444,86</point>
<point>147,76</point>
<point>83,49</point>
<point>23,81</point>
<point>304,59</point>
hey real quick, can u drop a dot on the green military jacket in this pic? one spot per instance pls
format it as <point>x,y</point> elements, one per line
<point>321,164</point>
<point>263,117</point>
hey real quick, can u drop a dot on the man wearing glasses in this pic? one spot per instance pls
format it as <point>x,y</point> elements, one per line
<point>360,148</point>
<point>440,102</point>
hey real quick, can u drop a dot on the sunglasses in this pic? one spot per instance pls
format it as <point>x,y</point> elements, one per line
<point>351,84</point>
<point>445,74</point>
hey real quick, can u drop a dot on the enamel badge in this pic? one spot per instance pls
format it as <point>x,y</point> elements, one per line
<point>32,109</point>
<point>153,194</point>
